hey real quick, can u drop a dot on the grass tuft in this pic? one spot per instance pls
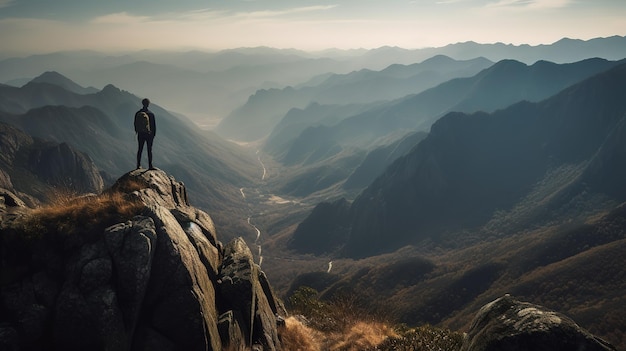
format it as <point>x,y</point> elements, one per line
<point>343,324</point>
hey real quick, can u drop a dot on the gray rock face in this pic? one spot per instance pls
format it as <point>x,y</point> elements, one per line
<point>510,325</point>
<point>158,281</point>
<point>49,164</point>
<point>241,284</point>
<point>62,165</point>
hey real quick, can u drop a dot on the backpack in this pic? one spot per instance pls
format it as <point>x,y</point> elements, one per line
<point>142,122</point>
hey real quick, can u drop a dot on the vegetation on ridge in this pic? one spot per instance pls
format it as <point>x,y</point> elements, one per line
<point>68,219</point>
<point>343,324</point>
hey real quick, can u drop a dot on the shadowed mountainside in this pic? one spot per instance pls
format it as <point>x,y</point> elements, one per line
<point>499,86</point>
<point>35,169</point>
<point>532,162</point>
<point>263,110</point>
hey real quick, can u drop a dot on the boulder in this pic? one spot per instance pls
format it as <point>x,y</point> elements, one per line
<point>158,281</point>
<point>510,325</point>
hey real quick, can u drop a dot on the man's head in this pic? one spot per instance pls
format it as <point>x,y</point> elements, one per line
<point>145,102</point>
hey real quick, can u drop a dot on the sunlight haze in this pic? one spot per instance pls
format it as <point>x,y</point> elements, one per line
<point>36,26</point>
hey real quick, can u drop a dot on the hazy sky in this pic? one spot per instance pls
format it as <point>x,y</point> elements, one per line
<point>54,25</point>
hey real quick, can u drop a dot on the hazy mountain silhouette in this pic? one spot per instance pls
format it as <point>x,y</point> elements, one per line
<point>532,161</point>
<point>229,77</point>
<point>472,165</point>
<point>323,135</point>
<point>379,159</point>
<point>265,108</point>
<point>203,86</point>
<point>499,86</point>
<point>55,78</point>
<point>565,50</point>
<point>297,120</point>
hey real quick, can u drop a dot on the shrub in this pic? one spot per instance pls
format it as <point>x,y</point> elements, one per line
<point>343,324</point>
<point>296,336</point>
<point>424,338</point>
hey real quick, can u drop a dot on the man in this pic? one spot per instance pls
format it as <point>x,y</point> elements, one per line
<point>145,132</point>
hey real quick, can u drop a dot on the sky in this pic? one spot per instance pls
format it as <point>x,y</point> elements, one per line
<point>40,26</point>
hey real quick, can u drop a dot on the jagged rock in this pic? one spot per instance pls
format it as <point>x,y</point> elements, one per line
<point>5,180</point>
<point>158,281</point>
<point>510,325</point>
<point>241,287</point>
<point>230,330</point>
<point>9,199</point>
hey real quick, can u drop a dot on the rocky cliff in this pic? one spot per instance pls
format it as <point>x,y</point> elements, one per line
<point>135,268</point>
<point>39,168</point>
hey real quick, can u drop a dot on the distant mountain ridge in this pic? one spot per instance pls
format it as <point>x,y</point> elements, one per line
<point>231,76</point>
<point>263,110</point>
<point>470,166</point>
<point>55,78</point>
<point>322,133</point>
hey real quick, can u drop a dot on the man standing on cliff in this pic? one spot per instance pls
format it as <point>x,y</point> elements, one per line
<point>145,127</point>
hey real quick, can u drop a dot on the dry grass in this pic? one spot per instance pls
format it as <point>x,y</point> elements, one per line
<point>69,215</point>
<point>61,226</point>
<point>360,336</point>
<point>69,221</point>
<point>297,336</point>
<point>343,324</point>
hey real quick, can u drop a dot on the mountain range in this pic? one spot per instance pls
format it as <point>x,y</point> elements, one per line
<point>263,110</point>
<point>527,200</point>
<point>471,165</point>
<point>206,86</point>
<point>320,138</point>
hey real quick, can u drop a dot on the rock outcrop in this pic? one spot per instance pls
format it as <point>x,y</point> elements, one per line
<point>41,166</point>
<point>62,165</point>
<point>160,280</point>
<point>510,325</point>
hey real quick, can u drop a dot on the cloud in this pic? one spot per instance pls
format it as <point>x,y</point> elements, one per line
<point>118,18</point>
<point>443,2</point>
<point>530,4</point>
<point>285,12</point>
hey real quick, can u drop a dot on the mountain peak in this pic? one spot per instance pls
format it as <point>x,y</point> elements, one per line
<point>55,78</point>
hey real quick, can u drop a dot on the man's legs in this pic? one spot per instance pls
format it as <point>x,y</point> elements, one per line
<point>140,141</point>
<point>150,140</point>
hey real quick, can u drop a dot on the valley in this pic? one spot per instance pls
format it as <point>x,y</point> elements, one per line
<point>421,185</point>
